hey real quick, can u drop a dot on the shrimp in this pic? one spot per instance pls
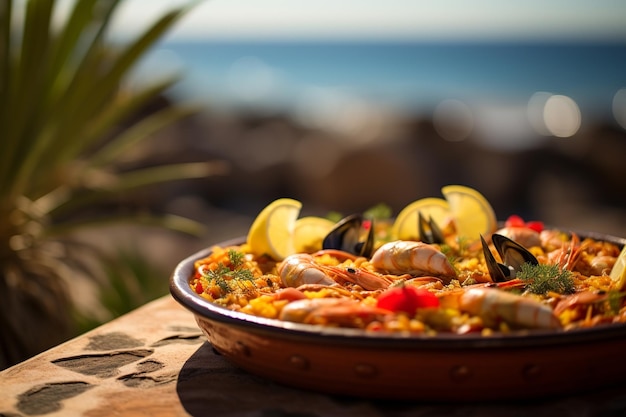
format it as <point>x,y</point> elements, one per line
<point>524,236</point>
<point>494,305</point>
<point>300,269</point>
<point>415,258</point>
<point>602,265</point>
<point>342,311</point>
<point>568,255</point>
<point>580,299</point>
<point>552,239</point>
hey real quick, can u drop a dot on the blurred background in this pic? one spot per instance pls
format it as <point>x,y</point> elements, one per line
<point>341,105</point>
<point>344,105</point>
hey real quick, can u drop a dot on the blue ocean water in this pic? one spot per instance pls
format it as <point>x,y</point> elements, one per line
<point>410,75</point>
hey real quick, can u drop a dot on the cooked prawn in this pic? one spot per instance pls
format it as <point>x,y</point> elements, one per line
<point>568,255</point>
<point>341,311</point>
<point>301,268</point>
<point>525,236</point>
<point>415,258</point>
<point>580,299</point>
<point>494,305</point>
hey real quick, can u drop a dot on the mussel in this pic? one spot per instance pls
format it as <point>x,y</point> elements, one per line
<point>347,235</point>
<point>512,254</point>
<point>429,232</point>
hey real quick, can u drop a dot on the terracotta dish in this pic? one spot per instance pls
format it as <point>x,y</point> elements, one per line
<point>522,364</point>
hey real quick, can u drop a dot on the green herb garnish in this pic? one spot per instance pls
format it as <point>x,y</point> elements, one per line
<point>381,211</point>
<point>614,301</point>
<point>231,277</point>
<point>334,216</point>
<point>541,279</point>
<point>464,244</point>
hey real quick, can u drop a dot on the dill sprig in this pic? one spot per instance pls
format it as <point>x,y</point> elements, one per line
<point>230,277</point>
<point>541,279</point>
<point>450,254</point>
<point>464,243</point>
<point>380,211</point>
<point>614,302</point>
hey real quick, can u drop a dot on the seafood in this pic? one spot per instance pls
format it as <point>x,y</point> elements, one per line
<point>346,312</point>
<point>429,232</point>
<point>497,285</point>
<point>552,239</point>
<point>512,253</point>
<point>414,258</point>
<point>583,298</point>
<point>301,268</point>
<point>601,265</point>
<point>525,236</point>
<point>513,256</point>
<point>346,236</point>
<point>567,256</point>
<point>494,305</point>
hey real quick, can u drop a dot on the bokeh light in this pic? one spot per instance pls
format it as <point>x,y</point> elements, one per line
<point>562,116</point>
<point>619,107</point>
<point>535,110</point>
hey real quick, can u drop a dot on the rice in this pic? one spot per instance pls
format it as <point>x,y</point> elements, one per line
<point>238,280</point>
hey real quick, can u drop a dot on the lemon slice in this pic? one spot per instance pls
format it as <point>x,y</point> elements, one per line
<point>406,225</point>
<point>618,273</point>
<point>272,231</point>
<point>473,215</point>
<point>309,233</point>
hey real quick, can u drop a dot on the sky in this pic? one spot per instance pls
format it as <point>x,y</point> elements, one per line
<point>379,19</point>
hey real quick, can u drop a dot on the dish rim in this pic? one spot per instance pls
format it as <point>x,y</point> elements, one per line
<point>182,292</point>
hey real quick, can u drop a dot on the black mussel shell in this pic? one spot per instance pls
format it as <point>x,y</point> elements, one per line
<point>512,253</point>
<point>513,256</point>
<point>429,232</point>
<point>346,236</point>
<point>497,271</point>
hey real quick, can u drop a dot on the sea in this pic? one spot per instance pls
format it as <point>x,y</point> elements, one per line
<point>408,76</point>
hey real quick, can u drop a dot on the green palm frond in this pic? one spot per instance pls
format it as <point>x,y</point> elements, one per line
<point>67,118</point>
<point>64,90</point>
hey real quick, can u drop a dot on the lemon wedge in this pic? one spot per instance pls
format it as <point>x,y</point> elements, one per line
<point>473,215</point>
<point>406,225</point>
<point>272,231</point>
<point>618,273</point>
<point>309,232</point>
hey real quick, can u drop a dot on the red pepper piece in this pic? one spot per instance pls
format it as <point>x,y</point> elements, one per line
<point>537,226</point>
<point>514,221</point>
<point>407,299</point>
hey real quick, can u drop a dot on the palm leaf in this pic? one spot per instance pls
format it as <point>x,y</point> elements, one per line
<point>137,133</point>
<point>66,121</point>
<point>61,202</point>
<point>118,112</point>
<point>5,54</point>
<point>169,221</point>
<point>88,95</point>
<point>65,45</point>
<point>25,87</point>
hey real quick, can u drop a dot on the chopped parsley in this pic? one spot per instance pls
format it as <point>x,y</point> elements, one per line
<point>541,279</point>
<point>614,301</point>
<point>231,277</point>
<point>381,211</point>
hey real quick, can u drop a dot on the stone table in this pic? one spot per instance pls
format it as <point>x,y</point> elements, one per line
<point>154,362</point>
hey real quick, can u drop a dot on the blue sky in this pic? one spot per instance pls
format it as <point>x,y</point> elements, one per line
<point>413,19</point>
